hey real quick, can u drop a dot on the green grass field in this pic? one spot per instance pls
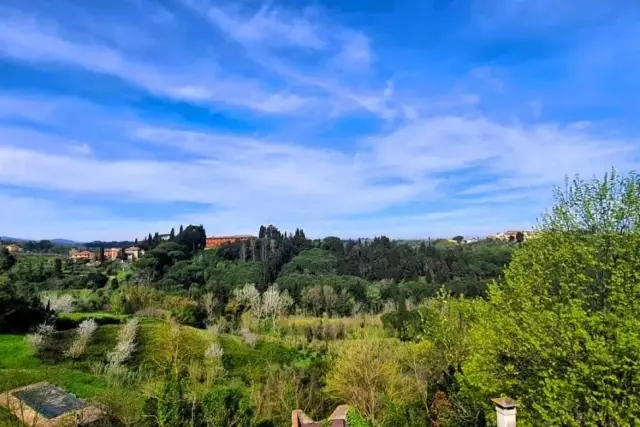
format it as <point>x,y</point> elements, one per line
<point>157,345</point>
<point>94,315</point>
<point>19,367</point>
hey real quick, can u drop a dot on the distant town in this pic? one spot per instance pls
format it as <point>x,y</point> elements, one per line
<point>79,252</point>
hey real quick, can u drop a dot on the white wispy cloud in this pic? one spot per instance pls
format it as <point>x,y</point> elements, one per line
<point>248,180</point>
<point>269,26</point>
<point>200,81</point>
<point>336,51</point>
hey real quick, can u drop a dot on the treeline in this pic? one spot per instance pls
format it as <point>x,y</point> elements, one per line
<point>324,275</point>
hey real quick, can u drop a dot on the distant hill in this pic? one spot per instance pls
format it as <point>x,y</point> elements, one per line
<point>62,242</point>
<point>113,244</point>
<point>11,239</point>
<point>66,242</point>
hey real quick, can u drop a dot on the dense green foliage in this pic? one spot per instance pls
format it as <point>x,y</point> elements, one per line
<point>407,333</point>
<point>561,334</point>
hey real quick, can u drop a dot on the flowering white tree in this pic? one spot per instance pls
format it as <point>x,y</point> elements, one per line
<point>275,303</point>
<point>249,296</point>
<point>126,344</point>
<point>249,337</point>
<point>84,332</point>
<point>39,338</point>
<point>59,304</point>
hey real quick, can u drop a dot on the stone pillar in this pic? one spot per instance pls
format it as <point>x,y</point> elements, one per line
<point>339,417</point>
<point>505,411</point>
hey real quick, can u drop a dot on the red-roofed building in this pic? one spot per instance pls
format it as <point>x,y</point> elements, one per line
<point>111,254</point>
<point>83,256</point>
<point>217,241</point>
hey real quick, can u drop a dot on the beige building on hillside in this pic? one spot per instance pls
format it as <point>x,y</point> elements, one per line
<point>512,235</point>
<point>133,253</point>
<point>83,255</point>
<point>14,249</point>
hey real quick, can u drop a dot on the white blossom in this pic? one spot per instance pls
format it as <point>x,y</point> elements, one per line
<point>249,337</point>
<point>59,304</point>
<point>215,351</point>
<point>126,344</point>
<point>84,332</point>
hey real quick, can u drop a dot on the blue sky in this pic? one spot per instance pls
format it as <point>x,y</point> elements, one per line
<point>349,118</point>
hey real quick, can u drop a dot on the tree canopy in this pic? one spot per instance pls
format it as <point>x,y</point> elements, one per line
<point>561,333</point>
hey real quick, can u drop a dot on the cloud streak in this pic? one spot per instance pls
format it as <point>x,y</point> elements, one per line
<point>203,82</point>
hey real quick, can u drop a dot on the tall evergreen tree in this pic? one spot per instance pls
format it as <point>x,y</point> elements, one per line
<point>172,234</point>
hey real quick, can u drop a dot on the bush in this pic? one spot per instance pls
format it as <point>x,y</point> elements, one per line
<point>368,375</point>
<point>227,406</point>
<point>190,315</point>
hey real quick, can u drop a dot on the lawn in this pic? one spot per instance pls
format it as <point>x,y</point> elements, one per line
<point>94,315</point>
<point>19,367</point>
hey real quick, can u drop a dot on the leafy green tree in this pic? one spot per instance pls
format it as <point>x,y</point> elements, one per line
<point>334,245</point>
<point>18,312</point>
<point>7,260</point>
<point>458,239</point>
<point>561,334</point>
<point>312,261</point>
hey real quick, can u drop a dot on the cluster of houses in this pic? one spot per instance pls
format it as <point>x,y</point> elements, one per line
<point>130,254</point>
<point>134,253</point>
<point>513,235</point>
<point>505,236</point>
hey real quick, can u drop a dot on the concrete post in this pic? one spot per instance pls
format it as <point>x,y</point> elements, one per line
<point>505,411</point>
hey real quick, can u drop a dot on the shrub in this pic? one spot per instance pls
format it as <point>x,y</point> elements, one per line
<point>368,375</point>
<point>355,420</point>
<point>189,315</point>
<point>227,406</point>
